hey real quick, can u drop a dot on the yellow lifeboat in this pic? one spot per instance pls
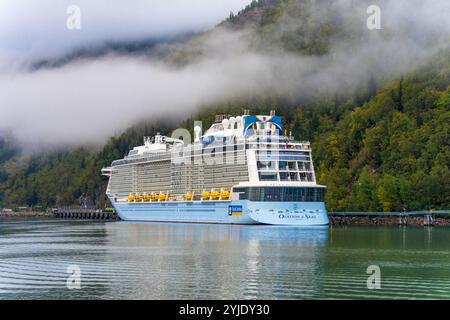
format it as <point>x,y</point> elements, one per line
<point>147,197</point>
<point>154,197</point>
<point>188,196</point>
<point>139,197</point>
<point>131,197</point>
<point>162,196</point>
<point>225,194</point>
<point>215,195</point>
<point>206,195</point>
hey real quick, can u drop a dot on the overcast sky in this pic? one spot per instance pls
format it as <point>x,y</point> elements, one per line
<point>37,28</point>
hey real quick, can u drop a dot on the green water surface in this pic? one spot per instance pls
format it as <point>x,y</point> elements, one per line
<point>119,260</point>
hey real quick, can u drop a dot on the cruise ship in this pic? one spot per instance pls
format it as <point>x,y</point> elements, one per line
<point>242,170</point>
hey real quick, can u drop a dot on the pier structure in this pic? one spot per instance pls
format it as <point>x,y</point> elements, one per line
<point>84,213</point>
<point>428,220</point>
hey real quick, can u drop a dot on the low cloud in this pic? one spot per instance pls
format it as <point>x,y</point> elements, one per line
<point>87,101</point>
<point>33,30</point>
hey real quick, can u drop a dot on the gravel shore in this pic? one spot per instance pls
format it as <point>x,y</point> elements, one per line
<point>361,220</point>
<point>26,214</point>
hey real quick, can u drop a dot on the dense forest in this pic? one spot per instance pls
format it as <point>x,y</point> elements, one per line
<point>382,147</point>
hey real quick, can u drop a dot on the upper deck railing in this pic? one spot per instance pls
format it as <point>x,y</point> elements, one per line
<point>285,144</point>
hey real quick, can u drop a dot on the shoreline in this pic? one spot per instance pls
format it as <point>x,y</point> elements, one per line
<point>387,221</point>
<point>26,214</point>
<point>334,219</point>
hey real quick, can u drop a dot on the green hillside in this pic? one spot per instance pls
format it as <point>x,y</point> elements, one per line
<point>390,152</point>
<point>386,146</point>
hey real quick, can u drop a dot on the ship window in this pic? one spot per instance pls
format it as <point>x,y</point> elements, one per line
<point>307,166</point>
<point>283,165</point>
<point>133,152</point>
<point>243,193</point>
<point>268,176</point>
<point>291,165</point>
<point>271,194</point>
<point>266,165</point>
<point>284,176</point>
<point>296,194</point>
<point>293,176</point>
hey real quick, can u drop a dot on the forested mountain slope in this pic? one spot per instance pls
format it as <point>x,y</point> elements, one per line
<point>382,145</point>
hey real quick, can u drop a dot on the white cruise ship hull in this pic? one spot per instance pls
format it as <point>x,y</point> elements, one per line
<point>242,170</point>
<point>225,212</point>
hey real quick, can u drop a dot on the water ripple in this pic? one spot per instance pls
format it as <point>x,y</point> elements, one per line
<point>165,261</point>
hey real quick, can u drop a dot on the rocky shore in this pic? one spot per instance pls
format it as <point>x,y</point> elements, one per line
<point>388,220</point>
<point>25,214</point>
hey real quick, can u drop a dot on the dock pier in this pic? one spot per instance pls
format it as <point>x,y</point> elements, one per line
<point>84,214</point>
<point>428,220</point>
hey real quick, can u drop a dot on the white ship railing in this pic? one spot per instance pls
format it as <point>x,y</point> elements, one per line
<point>192,150</point>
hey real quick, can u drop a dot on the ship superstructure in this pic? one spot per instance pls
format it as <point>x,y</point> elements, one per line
<point>241,170</point>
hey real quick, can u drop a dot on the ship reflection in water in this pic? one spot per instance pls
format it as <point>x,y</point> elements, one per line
<point>193,261</point>
<point>219,261</point>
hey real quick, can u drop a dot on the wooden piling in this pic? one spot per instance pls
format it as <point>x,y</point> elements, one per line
<point>84,214</point>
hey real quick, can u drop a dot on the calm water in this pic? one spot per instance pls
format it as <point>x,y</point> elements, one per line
<point>185,261</point>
